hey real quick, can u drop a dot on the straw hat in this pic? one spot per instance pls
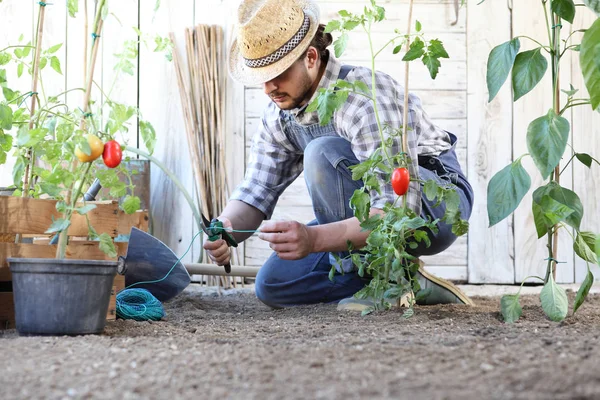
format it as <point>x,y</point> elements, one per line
<point>272,34</point>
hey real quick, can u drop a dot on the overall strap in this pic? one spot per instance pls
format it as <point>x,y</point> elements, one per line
<point>345,70</point>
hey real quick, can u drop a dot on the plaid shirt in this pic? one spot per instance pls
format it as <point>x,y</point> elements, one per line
<point>275,162</point>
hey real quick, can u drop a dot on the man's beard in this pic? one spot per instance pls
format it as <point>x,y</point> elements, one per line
<point>294,102</point>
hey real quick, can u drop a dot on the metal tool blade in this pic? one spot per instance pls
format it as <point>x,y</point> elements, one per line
<point>149,259</point>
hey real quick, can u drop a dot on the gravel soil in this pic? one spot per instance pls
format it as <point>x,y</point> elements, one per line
<point>214,346</point>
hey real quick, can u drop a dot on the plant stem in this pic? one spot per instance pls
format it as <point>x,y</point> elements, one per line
<point>173,178</point>
<point>556,99</point>
<point>61,248</point>
<point>374,95</point>
<point>406,70</point>
<point>17,46</point>
<point>547,48</point>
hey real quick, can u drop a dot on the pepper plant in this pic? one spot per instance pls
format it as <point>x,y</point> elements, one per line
<point>58,148</point>
<point>387,257</point>
<point>554,207</point>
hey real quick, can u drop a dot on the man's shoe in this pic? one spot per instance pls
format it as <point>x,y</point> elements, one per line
<point>442,291</point>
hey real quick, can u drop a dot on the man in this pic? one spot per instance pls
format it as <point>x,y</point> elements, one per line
<point>281,45</point>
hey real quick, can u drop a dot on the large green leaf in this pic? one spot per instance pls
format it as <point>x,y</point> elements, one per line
<point>564,8</point>
<point>547,140</point>
<point>529,69</point>
<point>583,291</point>
<point>546,211</point>
<point>505,191</point>
<point>107,246</point>
<point>570,199</point>
<point>585,246</point>
<point>589,60</point>
<point>499,63</point>
<point>510,307</point>
<point>554,301</point>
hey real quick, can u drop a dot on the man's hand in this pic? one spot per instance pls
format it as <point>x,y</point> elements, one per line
<point>218,250</point>
<point>291,240</point>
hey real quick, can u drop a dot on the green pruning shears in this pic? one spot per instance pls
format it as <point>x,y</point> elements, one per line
<point>215,231</point>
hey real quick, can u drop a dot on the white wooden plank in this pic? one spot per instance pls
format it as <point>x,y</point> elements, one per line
<point>160,105</point>
<point>452,273</point>
<point>530,253</point>
<point>443,104</point>
<point>490,251</point>
<point>118,86</point>
<point>434,16</point>
<point>55,33</point>
<point>17,19</point>
<point>585,128</point>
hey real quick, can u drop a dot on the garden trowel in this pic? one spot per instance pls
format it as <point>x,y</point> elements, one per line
<point>150,264</point>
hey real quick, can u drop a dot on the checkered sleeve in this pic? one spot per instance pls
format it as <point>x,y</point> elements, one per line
<point>273,164</point>
<point>358,122</point>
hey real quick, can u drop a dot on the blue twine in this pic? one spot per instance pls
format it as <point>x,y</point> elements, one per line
<point>26,97</point>
<point>139,305</point>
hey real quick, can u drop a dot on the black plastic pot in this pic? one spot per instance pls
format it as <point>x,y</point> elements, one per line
<point>61,297</point>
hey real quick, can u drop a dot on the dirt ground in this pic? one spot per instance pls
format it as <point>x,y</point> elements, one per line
<point>232,346</point>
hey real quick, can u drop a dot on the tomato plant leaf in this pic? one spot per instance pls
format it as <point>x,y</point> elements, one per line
<point>415,50</point>
<point>432,63</point>
<point>585,246</point>
<point>54,48</point>
<point>55,64</point>
<point>6,117</point>
<point>583,291</point>
<point>554,300</point>
<point>340,44</point>
<point>585,159</point>
<point>589,60</point>
<point>72,7</point>
<point>333,25</point>
<point>547,138</point>
<point>460,227</point>
<point>350,24</point>
<point>597,246</point>
<point>418,26</point>
<point>529,69</point>
<point>59,225</point>
<point>436,48</point>
<point>593,5</point>
<point>131,204</point>
<point>505,191</point>
<point>6,141</point>
<point>85,209</point>
<point>564,9</point>
<point>107,245</point>
<point>4,58</point>
<point>500,62</point>
<point>19,70</point>
<point>510,308</point>
<point>148,135</point>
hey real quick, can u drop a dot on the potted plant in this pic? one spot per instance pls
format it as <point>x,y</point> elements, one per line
<point>59,151</point>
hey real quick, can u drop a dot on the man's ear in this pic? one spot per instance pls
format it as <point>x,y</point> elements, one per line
<point>312,56</point>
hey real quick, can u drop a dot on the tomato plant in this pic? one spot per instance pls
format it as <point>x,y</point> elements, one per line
<point>112,154</point>
<point>386,258</point>
<point>400,181</point>
<point>554,206</point>
<point>56,146</point>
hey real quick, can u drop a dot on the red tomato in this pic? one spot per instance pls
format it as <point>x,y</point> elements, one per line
<point>400,181</point>
<point>112,154</point>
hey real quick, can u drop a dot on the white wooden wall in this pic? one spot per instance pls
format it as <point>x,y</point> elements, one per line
<point>490,135</point>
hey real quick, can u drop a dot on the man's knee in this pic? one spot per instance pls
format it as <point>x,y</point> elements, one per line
<point>265,291</point>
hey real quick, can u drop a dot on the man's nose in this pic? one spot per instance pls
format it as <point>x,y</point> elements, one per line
<point>269,86</point>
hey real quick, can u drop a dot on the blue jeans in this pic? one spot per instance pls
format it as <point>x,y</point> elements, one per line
<point>284,283</point>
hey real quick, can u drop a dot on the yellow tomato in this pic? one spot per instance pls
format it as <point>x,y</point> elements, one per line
<point>96,146</point>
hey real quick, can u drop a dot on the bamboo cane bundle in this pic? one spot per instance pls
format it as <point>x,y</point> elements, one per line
<point>201,81</point>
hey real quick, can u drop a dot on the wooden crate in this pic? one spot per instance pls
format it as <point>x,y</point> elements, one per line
<point>32,217</point>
